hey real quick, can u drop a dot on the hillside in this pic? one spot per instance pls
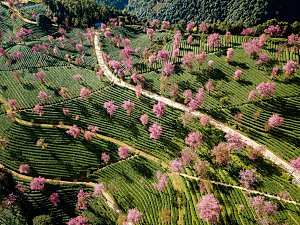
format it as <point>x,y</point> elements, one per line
<point>250,11</point>
<point>125,124</point>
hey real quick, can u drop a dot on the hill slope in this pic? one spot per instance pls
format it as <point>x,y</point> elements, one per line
<point>250,11</point>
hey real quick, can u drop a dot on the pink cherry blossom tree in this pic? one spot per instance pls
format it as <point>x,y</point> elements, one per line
<point>221,154</point>
<point>81,199</point>
<point>110,107</point>
<point>234,141</point>
<point>85,93</point>
<point>237,74</point>
<point>155,131</point>
<point>295,163</point>
<point>194,139</point>
<point>229,54</point>
<point>43,96</point>
<point>74,131</point>
<point>79,220</point>
<point>159,109</point>
<point>38,109</point>
<point>12,103</point>
<point>37,184</point>
<point>24,168</point>
<point>105,157</point>
<point>144,119</point>
<point>162,181</point>
<point>54,198</point>
<point>214,40</point>
<point>290,68</point>
<point>176,165</point>
<point>247,178</point>
<point>98,190</point>
<point>134,216</point>
<point>209,208</point>
<point>266,89</point>
<point>128,106</point>
<point>123,152</point>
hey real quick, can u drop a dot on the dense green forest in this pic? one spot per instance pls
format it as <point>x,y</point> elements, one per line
<point>119,4</point>
<point>251,12</point>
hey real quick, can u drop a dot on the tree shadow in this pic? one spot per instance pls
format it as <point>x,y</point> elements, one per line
<point>239,64</point>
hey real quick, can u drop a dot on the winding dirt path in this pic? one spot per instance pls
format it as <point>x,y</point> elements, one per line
<point>266,153</point>
<point>240,188</point>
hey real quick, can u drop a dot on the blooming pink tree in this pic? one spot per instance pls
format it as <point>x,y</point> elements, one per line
<point>163,55</point>
<point>43,96</point>
<point>85,93</point>
<point>39,75</point>
<point>24,168</point>
<point>266,89</point>
<point>188,59</point>
<point>105,157</point>
<point>144,119</point>
<point>54,198</point>
<point>290,68</point>
<point>74,131</point>
<point>295,163</point>
<point>155,131</point>
<point>214,40</point>
<point>188,155</point>
<point>37,184</point>
<point>79,220</point>
<point>275,121</point>
<point>38,109</point>
<point>128,106</point>
<point>190,26</point>
<point>194,139</point>
<point>162,181</point>
<point>88,135</point>
<point>204,120</point>
<point>253,47</point>
<point>110,107</point>
<point>123,152</point>
<point>209,86</point>
<point>237,74</point>
<point>273,30</point>
<point>274,73</point>
<point>247,178</point>
<point>159,109</point>
<point>203,28</point>
<point>263,59</point>
<point>176,165</point>
<point>12,103</point>
<point>150,33</point>
<point>209,208</point>
<point>98,190</point>
<point>234,141</point>
<point>248,31</point>
<point>229,54</point>
<point>155,23</point>
<point>165,25</point>
<point>63,91</point>
<point>221,154</point>
<point>81,199</point>
<point>190,39</point>
<point>263,207</point>
<point>134,216</point>
<point>138,91</point>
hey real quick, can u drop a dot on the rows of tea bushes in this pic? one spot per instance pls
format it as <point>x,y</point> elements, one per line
<point>122,126</point>
<point>27,89</point>
<point>63,156</point>
<point>130,183</point>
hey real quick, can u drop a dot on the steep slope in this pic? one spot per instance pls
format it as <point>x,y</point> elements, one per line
<point>250,11</point>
